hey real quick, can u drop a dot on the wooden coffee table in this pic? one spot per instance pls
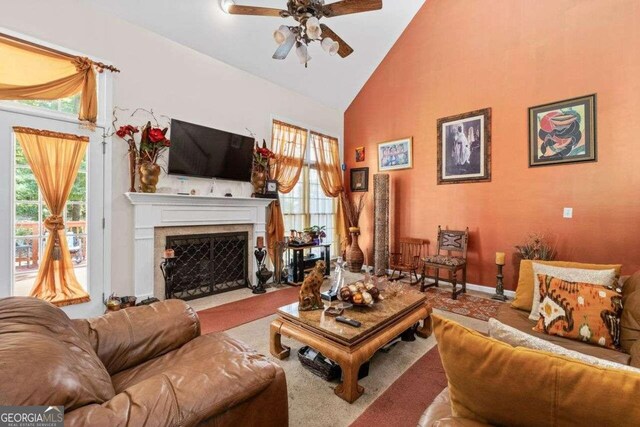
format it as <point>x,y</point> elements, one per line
<point>350,347</point>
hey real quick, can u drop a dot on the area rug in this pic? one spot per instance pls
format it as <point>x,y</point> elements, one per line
<point>466,305</point>
<point>246,310</point>
<point>407,398</point>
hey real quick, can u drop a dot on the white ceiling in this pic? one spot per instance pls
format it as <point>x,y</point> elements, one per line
<point>246,42</point>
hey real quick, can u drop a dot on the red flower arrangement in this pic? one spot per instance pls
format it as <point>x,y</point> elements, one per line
<point>261,155</point>
<point>153,141</point>
<point>146,144</point>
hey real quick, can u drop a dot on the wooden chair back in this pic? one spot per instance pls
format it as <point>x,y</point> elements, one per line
<point>410,250</point>
<point>453,241</point>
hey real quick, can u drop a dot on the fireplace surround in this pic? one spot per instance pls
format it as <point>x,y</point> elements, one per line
<point>157,216</point>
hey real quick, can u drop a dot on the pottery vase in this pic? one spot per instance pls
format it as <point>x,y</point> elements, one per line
<point>149,176</point>
<point>355,256</point>
<point>259,180</point>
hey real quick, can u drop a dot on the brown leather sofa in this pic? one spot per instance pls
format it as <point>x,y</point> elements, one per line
<point>140,366</point>
<point>439,413</point>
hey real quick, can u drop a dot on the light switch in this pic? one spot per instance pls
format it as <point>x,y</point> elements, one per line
<point>567,213</point>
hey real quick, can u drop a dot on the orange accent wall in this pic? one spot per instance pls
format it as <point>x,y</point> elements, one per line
<point>463,55</point>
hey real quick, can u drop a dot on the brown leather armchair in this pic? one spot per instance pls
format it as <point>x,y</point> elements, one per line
<point>140,366</point>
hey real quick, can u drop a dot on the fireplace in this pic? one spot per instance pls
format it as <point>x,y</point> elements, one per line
<point>207,264</point>
<point>158,216</point>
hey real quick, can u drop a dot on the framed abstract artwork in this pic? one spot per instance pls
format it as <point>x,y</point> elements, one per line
<point>359,179</point>
<point>360,154</point>
<point>394,155</point>
<point>464,147</point>
<point>563,132</point>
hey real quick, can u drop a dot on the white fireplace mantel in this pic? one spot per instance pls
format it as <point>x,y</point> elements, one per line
<point>173,210</point>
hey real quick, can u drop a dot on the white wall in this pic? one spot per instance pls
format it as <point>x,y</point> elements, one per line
<point>173,80</point>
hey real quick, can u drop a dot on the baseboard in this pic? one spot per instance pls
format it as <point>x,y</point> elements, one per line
<point>480,288</point>
<point>489,290</point>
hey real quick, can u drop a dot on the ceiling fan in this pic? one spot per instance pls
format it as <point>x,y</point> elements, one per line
<point>309,29</point>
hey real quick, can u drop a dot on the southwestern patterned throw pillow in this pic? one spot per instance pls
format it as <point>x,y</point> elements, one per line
<point>580,311</point>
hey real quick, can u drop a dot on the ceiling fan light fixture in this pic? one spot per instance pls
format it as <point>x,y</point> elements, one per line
<point>281,34</point>
<point>313,28</point>
<point>330,46</point>
<point>303,53</point>
<point>226,5</point>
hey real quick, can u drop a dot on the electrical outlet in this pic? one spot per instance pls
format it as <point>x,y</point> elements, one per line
<point>567,213</point>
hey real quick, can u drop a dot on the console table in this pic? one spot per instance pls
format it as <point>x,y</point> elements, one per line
<point>298,265</point>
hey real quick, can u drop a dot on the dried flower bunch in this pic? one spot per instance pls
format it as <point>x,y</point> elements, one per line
<point>536,247</point>
<point>353,210</point>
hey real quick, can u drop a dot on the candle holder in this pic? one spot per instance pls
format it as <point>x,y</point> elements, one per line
<point>168,268</point>
<point>499,295</point>
<point>263,274</point>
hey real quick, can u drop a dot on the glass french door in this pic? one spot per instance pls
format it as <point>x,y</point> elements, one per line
<point>22,212</point>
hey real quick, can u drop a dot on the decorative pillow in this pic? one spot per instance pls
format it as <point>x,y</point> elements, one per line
<point>580,275</point>
<point>524,291</point>
<point>517,338</point>
<point>497,384</point>
<point>579,311</point>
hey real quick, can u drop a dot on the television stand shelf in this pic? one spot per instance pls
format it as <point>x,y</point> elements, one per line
<point>299,265</point>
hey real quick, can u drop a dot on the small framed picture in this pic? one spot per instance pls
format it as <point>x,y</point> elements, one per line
<point>271,188</point>
<point>359,179</point>
<point>395,155</point>
<point>360,154</point>
<point>464,147</point>
<point>563,132</point>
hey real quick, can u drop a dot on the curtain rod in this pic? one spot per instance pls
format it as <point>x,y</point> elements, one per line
<point>101,66</point>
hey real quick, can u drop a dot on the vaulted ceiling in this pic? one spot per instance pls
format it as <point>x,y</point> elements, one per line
<point>246,42</point>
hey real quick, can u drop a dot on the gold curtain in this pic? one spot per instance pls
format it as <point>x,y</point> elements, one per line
<point>35,72</point>
<point>327,152</point>
<point>289,144</point>
<point>55,159</point>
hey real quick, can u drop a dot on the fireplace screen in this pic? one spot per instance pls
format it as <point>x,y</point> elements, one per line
<point>208,264</point>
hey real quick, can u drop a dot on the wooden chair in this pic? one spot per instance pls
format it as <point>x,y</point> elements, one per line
<point>448,241</point>
<point>407,259</point>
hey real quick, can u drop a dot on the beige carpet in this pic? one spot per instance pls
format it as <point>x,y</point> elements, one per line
<point>312,401</point>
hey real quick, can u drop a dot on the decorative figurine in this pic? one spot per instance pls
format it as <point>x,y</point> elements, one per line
<point>263,274</point>
<point>168,268</point>
<point>310,298</point>
<point>338,281</point>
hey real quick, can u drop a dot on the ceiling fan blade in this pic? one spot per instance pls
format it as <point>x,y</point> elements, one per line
<point>259,11</point>
<point>344,50</point>
<point>285,48</point>
<point>346,7</point>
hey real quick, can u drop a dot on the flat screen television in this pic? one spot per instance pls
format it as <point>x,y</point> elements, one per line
<point>203,152</point>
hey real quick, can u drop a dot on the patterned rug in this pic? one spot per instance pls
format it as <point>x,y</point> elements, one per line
<point>466,305</point>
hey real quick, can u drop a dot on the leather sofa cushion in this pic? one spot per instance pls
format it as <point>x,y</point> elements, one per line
<point>215,365</point>
<point>524,291</point>
<point>520,320</point>
<point>55,364</point>
<point>630,321</point>
<point>438,414</point>
<point>154,403</point>
<point>125,338</point>
<point>494,383</point>
<point>631,285</point>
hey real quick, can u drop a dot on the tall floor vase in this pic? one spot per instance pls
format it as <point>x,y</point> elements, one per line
<point>355,256</point>
<point>381,223</point>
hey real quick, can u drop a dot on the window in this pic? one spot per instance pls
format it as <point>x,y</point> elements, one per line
<point>70,105</point>
<point>307,205</point>
<point>29,232</point>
